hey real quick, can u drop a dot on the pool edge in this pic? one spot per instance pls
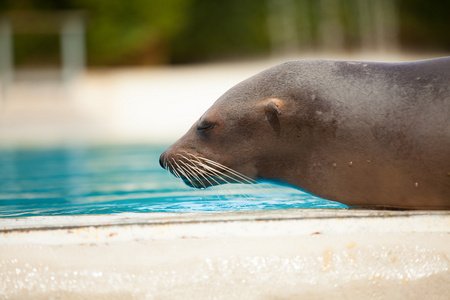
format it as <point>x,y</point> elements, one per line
<point>247,255</point>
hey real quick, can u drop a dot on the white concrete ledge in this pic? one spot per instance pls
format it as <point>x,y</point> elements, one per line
<point>313,254</point>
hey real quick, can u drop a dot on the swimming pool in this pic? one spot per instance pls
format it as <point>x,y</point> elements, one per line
<point>75,180</point>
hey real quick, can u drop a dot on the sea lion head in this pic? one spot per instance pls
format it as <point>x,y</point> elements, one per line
<point>239,138</point>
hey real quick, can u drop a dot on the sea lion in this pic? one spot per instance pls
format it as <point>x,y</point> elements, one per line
<point>364,134</point>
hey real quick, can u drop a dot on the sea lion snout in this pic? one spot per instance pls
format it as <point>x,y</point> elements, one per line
<point>167,159</point>
<point>164,158</point>
<point>161,161</point>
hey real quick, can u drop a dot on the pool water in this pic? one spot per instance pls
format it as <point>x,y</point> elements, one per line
<point>76,180</point>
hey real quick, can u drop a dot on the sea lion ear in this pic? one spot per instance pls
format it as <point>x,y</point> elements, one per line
<point>272,106</point>
<point>272,112</point>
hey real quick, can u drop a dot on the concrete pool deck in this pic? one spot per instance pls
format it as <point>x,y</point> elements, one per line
<point>280,254</point>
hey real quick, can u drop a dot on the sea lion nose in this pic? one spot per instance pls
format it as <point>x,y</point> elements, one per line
<point>161,161</point>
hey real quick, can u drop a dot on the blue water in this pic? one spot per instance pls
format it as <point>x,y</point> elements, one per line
<point>104,180</point>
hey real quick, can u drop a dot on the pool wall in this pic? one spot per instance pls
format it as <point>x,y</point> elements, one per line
<point>284,254</point>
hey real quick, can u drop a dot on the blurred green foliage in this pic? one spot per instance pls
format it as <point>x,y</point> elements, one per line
<point>221,29</point>
<point>143,32</point>
<point>425,24</point>
<point>137,32</point>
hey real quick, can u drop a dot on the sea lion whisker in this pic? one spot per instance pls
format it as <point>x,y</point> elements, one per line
<point>221,175</point>
<point>238,178</point>
<point>208,178</point>
<point>200,172</point>
<point>213,176</point>
<point>191,177</point>
<point>219,179</point>
<point>205,169</point>
<point>210,173</point>
<point>173,170</point>
<point>245,179</point>
<point>183,172</point>
<point>212,162</point>
<point>195,174</point>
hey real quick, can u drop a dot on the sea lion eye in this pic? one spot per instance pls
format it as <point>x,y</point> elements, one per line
<point>205,125</point>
